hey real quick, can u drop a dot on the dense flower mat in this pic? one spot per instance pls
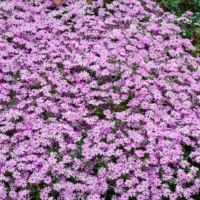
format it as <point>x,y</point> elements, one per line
<point>97,102</point>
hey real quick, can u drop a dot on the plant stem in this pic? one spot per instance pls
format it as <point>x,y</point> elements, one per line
<point>38,193</point>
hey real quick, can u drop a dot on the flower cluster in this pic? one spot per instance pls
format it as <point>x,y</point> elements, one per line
<point>97,102</point>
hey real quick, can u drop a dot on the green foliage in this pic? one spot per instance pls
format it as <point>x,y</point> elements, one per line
<point>15,74</point>
<point>13,99</point>
<point>35,192</point>
<point>100,164</point>
<point>16,120</point>
<point>179,7</point>
<point>36,85</point>
<point>99,113</point>
<point>53,90</point>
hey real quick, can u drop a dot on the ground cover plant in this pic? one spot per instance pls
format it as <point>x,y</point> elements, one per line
<point>191,29</point>
<point>98,102</point>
